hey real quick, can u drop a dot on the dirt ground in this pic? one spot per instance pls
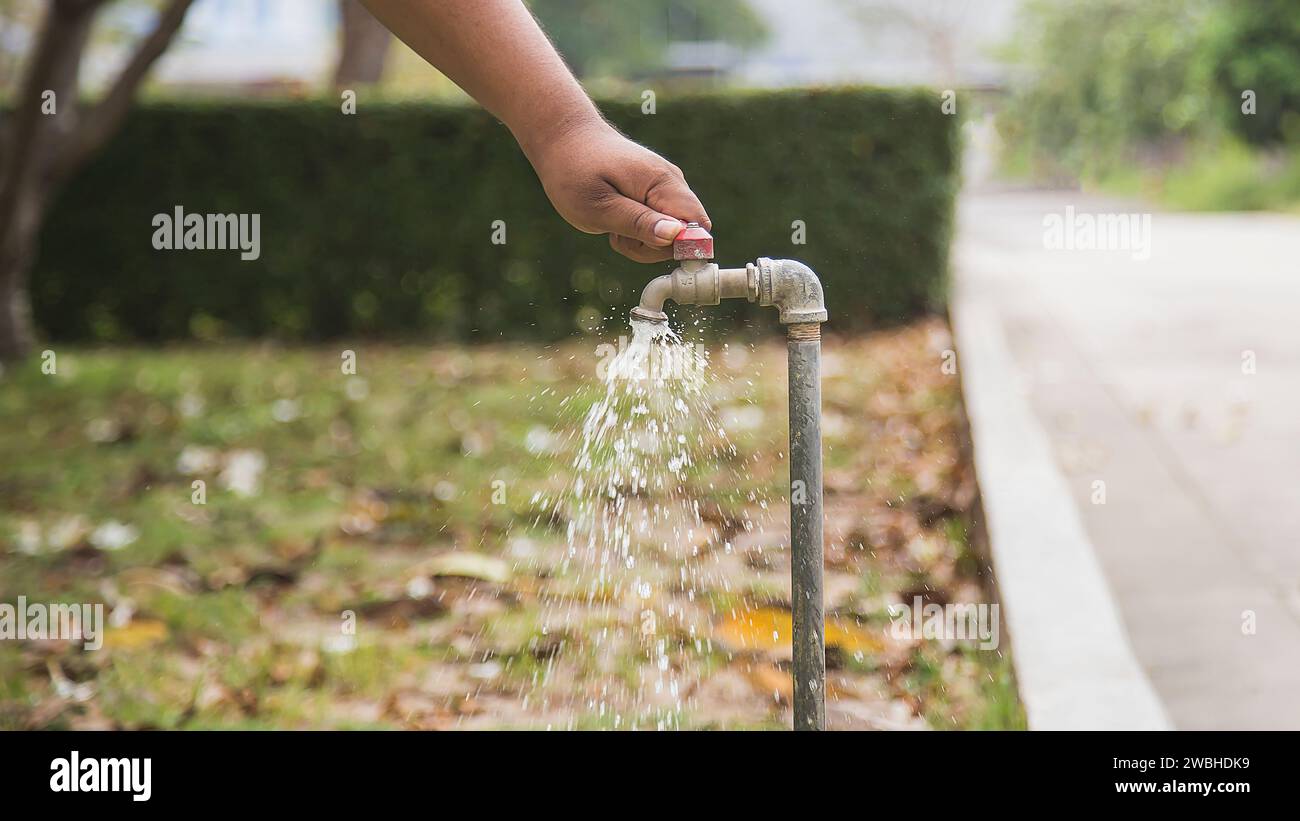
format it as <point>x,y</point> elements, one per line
<point>369,549</point>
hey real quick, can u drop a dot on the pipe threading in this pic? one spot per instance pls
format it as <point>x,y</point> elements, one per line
<point>804,332</point>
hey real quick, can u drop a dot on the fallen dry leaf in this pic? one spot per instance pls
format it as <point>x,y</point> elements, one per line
<point>467,565</point>
<point>138,633</point>
<point>768,630</point>
<point>770,680</point>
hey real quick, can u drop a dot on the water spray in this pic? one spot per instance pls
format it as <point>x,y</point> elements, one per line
<point>794,290</point>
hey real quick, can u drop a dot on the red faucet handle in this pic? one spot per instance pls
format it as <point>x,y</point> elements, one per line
<point>693,242</point>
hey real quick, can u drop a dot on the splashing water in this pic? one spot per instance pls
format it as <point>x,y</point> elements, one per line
<point>639,533</point>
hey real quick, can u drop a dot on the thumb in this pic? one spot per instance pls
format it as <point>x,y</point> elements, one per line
<point>629,218</point>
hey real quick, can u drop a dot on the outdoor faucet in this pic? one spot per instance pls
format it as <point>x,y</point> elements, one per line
<point>786,284</point>
<point>794,290</point>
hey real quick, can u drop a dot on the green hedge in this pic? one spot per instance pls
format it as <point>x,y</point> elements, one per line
<point>380,223</point>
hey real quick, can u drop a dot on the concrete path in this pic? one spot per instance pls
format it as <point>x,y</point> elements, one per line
<point>1169,388</point>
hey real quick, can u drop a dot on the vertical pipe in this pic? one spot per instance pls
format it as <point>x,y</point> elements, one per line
<point>804,349</point>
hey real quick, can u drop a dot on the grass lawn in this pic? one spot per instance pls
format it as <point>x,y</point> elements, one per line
<point>369,551</point>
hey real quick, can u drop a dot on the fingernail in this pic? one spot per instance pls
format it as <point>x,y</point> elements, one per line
<point>668,229</point>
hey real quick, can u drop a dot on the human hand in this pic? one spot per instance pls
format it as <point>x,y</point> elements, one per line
<point>597,179</point>
<point>603,183</point>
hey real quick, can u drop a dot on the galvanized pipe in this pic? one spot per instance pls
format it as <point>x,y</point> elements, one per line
<point>696,282</point>
<point>794,290</point>
<point>804,350</point>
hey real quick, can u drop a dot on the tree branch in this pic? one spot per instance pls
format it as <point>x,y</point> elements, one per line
<point>29,138</point>
<point>102,121</point>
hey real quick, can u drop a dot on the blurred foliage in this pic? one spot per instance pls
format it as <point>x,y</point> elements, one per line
<point>1225,175</point>
<point>1147,95</point>
<point>1104,76</point>
<point>1255,44</point>
<point>380,224</point>
<point>628,37</point>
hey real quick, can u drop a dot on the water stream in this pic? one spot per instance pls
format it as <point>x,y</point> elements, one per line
<point>642,542</point>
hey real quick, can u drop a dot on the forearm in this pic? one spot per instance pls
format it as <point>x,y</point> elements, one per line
<point>497,53</point>
<point>598,180</point>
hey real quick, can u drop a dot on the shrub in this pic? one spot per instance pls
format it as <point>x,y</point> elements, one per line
<point>1110,84</point>
<point>1255,45</point>
<point>1103,78</point>
<point>379,223</point>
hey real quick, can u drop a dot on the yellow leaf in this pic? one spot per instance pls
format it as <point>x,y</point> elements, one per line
<point>139,633</point>
<point>768,630</point>
<point>851,638</point>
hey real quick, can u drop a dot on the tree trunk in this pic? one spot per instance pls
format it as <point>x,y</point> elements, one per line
<point>363,47</point>
<point>16,253</point>
<point>28,147</point>
<point>44,141</point>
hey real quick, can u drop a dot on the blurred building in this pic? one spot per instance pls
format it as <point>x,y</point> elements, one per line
<point>290,45</point>
<point>938,43</point>
<point>253,43</point>
<point>228,46</point>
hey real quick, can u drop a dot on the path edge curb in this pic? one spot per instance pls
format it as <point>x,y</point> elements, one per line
<point>1075,667</point>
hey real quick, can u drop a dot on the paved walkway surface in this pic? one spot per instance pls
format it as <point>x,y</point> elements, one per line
<point>1170,390</point>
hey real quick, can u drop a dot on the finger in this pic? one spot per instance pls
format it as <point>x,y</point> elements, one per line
<point>629,218</point>
<point>671,195</point>
<point>638,251</point>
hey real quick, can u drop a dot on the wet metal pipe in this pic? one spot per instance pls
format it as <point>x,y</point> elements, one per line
<point>804,352</point>
<point>695,283</point>
<point>785,284</point>
<point>794,290</point>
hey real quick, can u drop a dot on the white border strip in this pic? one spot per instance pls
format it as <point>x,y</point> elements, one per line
<point>1073,662</point>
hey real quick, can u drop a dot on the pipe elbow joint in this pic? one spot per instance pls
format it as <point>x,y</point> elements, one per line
<point>793,289</point>
<point>785,284</point>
